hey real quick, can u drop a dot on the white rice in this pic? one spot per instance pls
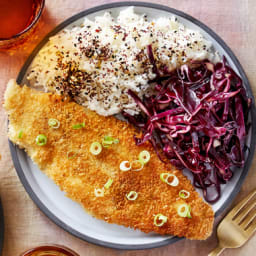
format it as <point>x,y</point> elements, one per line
<point>97,62</point>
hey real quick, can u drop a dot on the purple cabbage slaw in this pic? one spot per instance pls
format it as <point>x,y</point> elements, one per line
<point>197,119</point>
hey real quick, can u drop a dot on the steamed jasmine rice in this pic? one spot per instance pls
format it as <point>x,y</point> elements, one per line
<point>96,62</point>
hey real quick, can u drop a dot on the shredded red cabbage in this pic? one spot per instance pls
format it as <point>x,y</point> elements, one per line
<point>198,118</point>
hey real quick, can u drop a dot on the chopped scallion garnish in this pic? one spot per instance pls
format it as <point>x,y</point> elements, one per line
<point>125,166</point>
<point>108,184</point>
<point>165,178</point>
<point>54,123</point>
<point>78,126</point>
<point>137,165</point>
<point>41,140</point>
<point>95,148</point>
<point>132,195</point>
<point>144,156</point>
<point>107,141</point>
<point>184,211</point>
<point>189,210</point>
<point>159,220</point>
<point>184,194</point>
<point>99,192</point>
<point>20,134</point>
<point>71,154</point>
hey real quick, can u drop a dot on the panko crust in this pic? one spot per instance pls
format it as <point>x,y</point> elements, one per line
<point>29,111</point>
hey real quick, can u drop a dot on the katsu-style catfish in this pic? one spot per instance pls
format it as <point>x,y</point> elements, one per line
<point>63,153</point>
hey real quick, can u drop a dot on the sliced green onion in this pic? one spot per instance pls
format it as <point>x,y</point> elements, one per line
<point>41,140</point>
<point>165,178</point>
<point>144,156</point>
<point>184,194</point>
<point>78,126</point>
<point>71,154</point>
<point>132,195</point>
<point>108,140</point>
<point>159,220</point>
<point>95,148</point>
<point>189,210</point>
<point>108,184</point>
<point>106,145</point>
<point>99,192</point>
<point>54,123</point>
<point>20,134</point>
<point>184,211</point>
<point>125,166</point>
<point>137,165</point>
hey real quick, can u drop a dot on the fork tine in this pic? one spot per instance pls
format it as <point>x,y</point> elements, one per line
<point>248,219</point>
<point>242,213</point>
<point>251,228</point>
<point>239,206</point>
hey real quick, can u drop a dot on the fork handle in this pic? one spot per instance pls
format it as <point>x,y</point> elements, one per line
<point>217,251</point>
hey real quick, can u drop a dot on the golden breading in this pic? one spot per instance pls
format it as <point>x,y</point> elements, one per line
<point>79,176</point>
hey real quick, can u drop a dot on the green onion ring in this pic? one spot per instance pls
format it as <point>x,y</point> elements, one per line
<point>54,123</point>
<point>125,166</point>
<point>95,148</point>
<point>99,192</point>
<point>144,156</point>
<point>160,220</point>
<point>41,140</point>
<point>184,194</point>
<point>165,176</point>
<point>184,211</point>
<point>134,163</point>
<point>132,195</point>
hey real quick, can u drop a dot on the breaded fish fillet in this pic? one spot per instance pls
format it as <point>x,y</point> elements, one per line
<point>79,175</point>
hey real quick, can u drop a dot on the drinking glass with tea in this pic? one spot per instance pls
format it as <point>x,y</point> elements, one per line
<point>50,250</point>
<point>18,19</point>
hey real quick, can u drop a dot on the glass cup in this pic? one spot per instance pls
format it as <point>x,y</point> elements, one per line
<point>51,249</point>
<point>18,20</point>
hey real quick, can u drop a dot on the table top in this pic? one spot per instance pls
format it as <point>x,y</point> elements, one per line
<point>25,225</point>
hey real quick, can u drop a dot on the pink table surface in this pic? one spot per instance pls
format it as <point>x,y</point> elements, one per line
<point>25,225</point>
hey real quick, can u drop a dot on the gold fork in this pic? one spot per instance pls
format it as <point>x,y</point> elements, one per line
<point>238,226</point>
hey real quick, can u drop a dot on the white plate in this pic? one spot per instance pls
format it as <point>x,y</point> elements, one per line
<point>68,214</point>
